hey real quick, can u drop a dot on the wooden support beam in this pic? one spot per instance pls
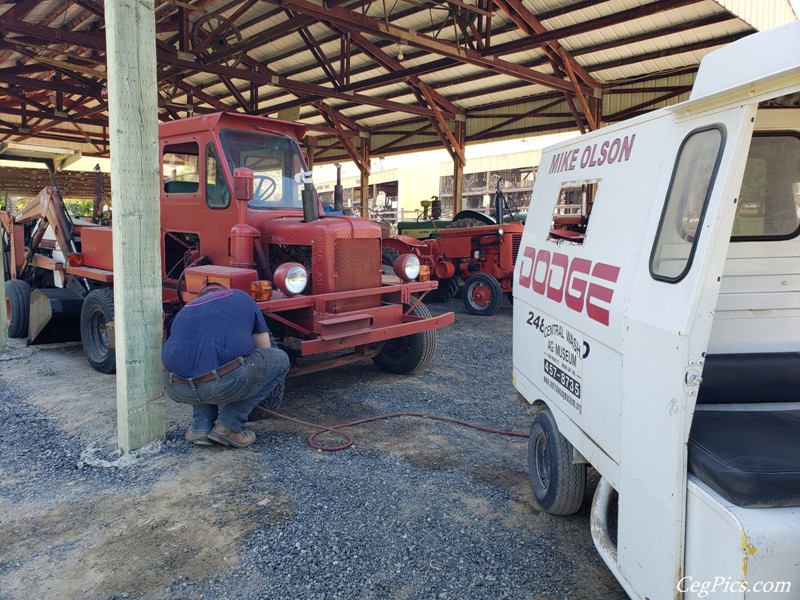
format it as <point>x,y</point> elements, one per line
<point>3,317</point>
<point>133,127</point>
<point>458,169</point>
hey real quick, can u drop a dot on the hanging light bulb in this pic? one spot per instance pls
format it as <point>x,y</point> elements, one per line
<point>399,52</point>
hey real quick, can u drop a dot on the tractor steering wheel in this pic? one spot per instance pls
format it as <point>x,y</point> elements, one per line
<point>265,186</point>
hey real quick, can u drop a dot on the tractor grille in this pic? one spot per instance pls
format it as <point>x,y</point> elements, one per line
<point>358,266</point>
<point>516,241</point>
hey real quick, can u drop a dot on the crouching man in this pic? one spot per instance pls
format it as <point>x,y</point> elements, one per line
<point>218,358</point>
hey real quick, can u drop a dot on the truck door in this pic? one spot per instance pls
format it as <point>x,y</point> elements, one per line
<point>665,336</point>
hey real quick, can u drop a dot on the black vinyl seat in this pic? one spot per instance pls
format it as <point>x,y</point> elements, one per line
<point>749,457</point>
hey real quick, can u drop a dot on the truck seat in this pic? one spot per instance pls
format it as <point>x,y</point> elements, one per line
<point>750,457</point>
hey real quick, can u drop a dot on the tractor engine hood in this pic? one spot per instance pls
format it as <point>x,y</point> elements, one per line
<point>296,232</point>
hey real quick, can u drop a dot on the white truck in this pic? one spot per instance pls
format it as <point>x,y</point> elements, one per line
<point>657,332</point>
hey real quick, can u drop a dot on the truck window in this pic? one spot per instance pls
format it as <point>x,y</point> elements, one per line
<point>274,160</point>
<point>572,211</point>
<point>689,190</point>
<point>217,194</point>
<point>180,168</point>
<point>769,203</point>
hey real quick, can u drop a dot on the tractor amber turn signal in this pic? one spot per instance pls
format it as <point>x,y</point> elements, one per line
<point>261,291</point>
<point>424,273</point>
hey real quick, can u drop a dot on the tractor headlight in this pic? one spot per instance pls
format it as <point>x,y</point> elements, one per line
<point>291,278</point>
<point>500,231</point>
<point>406,267</point>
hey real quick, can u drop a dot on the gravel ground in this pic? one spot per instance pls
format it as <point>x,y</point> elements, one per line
<point>415,509</point>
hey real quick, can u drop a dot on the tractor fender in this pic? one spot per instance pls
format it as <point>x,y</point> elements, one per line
<point>473,214</point>
<point>402,243</point>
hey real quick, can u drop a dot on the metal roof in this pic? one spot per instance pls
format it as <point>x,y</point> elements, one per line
<point>402,74</point>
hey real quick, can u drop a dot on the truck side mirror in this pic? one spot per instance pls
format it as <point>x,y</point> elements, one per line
<point>243,184</point>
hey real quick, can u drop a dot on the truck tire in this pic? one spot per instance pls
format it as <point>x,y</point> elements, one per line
<point>482,294</point>
<point>97,311</point>
<point>18,307</point>
<point>275,398</point>
<point>411,353</point>
<point>558,484</point>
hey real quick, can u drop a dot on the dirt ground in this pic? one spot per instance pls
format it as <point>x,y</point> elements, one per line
<point>81,521</point>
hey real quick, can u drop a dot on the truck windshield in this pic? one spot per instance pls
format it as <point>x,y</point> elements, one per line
<point>274,160</point>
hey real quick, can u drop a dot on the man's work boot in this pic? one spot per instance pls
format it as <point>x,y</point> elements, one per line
<point>199,438</point>
<point>223,435</point>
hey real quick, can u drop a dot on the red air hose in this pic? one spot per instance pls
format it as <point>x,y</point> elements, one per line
<point>337,429</point>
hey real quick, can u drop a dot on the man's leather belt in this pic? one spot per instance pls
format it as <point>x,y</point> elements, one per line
<point>215,374</point>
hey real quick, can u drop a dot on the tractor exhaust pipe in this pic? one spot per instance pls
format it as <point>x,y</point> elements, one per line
<point>338,190</point>
<point>309,196</point>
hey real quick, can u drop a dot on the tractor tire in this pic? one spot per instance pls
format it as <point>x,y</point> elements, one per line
<point>275,398</point>
<point>446,290</point>
<point>18,307</point>
<point>482,294</point>
<point>411,353</point>
<point>388,256</point>
<point>558,484</point>
<point>466,222</point>
<point>97,311</point>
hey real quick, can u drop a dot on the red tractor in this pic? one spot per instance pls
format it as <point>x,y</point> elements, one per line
<point>317,278</point>
<point>474,257</point>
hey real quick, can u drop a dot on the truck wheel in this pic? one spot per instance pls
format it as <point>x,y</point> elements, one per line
<point>482,294</point>
<point>97,311</point>
<point>558,484</point>
<point>411,353</point>
<point>275,398</point>
<point>388,255</point>
<point>18,307</point>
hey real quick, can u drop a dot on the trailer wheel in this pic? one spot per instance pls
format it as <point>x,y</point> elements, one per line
<point>558,484</point>
<point>18,307</point>
<point>96,313</point>
<point>275,398</point>
<point>482,294</point>
<point>411,353</point>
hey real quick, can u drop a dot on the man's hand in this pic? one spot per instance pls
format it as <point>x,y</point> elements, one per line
<point>261,340</point>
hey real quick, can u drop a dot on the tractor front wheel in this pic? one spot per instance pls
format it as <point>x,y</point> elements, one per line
<point>96,313</point>
<point>558,484</point>
<point>482,294</point>
<point>410,353</point>
<point>18,307</point>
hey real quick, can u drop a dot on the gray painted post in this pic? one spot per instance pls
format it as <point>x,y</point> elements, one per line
<point>133,128</point>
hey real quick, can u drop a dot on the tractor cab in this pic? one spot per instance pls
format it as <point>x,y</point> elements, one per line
<point>657,331</point>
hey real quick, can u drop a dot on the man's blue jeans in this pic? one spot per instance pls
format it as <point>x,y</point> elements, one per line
<point>230,399</point>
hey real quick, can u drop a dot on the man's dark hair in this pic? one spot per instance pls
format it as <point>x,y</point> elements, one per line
<point>211,286</point>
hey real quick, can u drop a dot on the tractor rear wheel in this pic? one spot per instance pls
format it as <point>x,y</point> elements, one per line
<point>482,294</point>
<point>96,313</point>
<point>411,353</point>
<point>18,307</point>
<point>557,483</point>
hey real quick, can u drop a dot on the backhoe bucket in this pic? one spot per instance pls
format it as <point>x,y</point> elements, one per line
<point>55,316</point>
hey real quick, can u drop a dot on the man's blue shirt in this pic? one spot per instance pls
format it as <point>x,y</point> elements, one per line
<point>212,331</point>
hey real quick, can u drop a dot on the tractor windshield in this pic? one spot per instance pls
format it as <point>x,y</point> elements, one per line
<point>274,160</point>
